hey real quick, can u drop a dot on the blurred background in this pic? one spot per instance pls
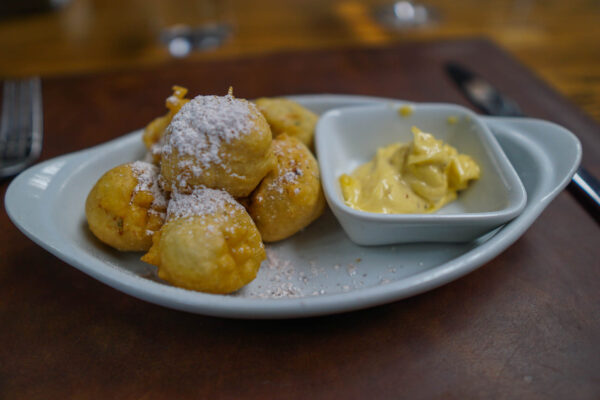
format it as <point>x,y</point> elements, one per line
<point>558,39</point>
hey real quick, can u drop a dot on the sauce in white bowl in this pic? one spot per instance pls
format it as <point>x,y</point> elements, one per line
<point>349,137</point>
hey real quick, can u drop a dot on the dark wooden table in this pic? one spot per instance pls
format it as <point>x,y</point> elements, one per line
<point>526,325</point>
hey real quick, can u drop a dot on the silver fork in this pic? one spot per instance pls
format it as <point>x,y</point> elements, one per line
<point>21,127</point>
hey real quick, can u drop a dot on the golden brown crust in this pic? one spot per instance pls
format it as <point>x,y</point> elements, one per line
<point>287,116</point>
<point>119,215</point>
<point>154,131</point>
<point>217,252</point>
<point>290,197</point>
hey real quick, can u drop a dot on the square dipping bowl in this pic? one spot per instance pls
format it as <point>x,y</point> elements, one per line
<point>349,137</point>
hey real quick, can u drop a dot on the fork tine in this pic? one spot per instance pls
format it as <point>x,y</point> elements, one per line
<point>25,121</point>
<point>21,127</point>
<point>9,117</point>
<point>8,104</point>
<point>37,123</point>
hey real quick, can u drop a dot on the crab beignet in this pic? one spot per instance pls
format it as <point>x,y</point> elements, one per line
<point>290,197</point>
<point>126,206</point>
<point>209,243</point>
<point>219,142</point>
<point>287,116</point>
<point>155,130</point>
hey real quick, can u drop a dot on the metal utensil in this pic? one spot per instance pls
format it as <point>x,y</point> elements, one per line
<point>491,101</point>
<point>21,125</point>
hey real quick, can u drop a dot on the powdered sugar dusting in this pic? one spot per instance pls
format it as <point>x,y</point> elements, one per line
<point>147,178</point>
<point>291,171</point>
<point>173,100</point>
<point>288,178</point>
<point>200,202</point>
<point>206,122</point>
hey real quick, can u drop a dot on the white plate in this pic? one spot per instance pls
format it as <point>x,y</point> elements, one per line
<point>320,265</point>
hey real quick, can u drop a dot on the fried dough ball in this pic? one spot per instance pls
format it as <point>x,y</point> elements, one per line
<point>287,116</point>
<point>155,130</point>
<point>219,142</point>
<point>125,207</point>
<point>209,243</point>
<point>290,197</point>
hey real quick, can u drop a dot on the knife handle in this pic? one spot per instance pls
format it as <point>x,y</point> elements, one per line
<point>586,188</point>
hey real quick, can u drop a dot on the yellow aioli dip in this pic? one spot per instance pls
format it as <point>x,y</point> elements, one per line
<point>417,177</point>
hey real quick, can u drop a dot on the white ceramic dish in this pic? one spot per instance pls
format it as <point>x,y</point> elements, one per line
<point>348,137</point>
<point>320,265</point>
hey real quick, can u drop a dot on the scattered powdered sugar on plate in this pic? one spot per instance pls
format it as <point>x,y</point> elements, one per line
<point>279,279</point>
<point>281,276</point>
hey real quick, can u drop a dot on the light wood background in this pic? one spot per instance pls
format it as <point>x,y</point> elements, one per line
<point>558,39</point>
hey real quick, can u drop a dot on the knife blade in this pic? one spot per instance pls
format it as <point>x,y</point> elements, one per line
<point>491,101</point>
